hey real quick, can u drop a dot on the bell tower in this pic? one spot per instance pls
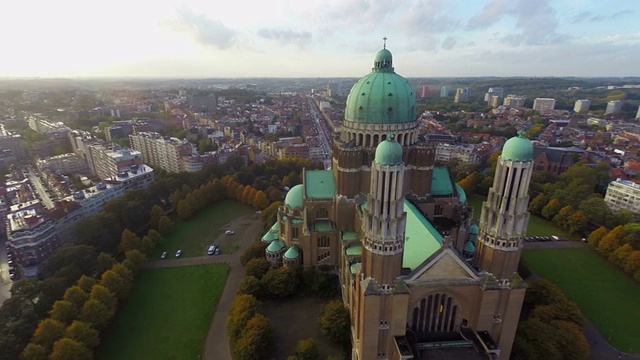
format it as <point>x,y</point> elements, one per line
<point>505,215</point>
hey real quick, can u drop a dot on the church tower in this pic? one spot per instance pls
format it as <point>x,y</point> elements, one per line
<point>380,302</point>
<point>505,214</point>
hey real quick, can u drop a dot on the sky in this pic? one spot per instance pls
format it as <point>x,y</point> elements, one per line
<point>318,38</point>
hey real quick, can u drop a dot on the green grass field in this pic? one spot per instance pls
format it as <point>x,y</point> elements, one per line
<point>167,315</point>
<point>537,225</point>
<point>196,235</point>
<point>605,295</point>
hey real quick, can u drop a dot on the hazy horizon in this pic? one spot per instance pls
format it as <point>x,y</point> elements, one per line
<point>195,39</point>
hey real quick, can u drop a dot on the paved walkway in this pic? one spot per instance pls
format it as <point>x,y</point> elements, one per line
<point>538,245</point>
<point>217,344</point>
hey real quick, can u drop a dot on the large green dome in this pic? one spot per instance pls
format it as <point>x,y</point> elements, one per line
<point>518,148</point>
<point>294,197</point>
<point>389,152</point>
<point>382,97</point>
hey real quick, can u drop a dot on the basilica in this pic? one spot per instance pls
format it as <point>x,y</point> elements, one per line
<point>420,279</point>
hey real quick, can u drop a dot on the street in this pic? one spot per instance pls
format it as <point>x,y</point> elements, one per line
<point>5,281</point>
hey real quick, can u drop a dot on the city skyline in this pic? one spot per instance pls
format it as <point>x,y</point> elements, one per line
<point>281,38</point>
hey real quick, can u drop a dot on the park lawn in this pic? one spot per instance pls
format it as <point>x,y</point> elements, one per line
<point>537,225</point>
<point>167,315</point>
<point>195,235</point>
<point>605,295</point>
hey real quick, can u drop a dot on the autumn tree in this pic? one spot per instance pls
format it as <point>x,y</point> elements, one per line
<point>104,262</point>
<point>102,294</point>
<point>116,284</point>
<point>254,251</point>
<point>250,285</point>
<point>96,313</point>
<point>185,210</point>
<point>69,349</point>
<point>258,267</point>
<point>563,215</point>
<point>280,282</point>
<point>620,255</point>
<point>611,241</point>
<point>147,245</point>
<point>551,209</point>
<point>306,350</point>
<point>63,311</point>
<point>48,332</point>
<point>246,195</point>
<point>632,263</point>
<point>76,296</point>
<point>83,333</point>
<point>154,216</point>
<point>334,323</point>
<point>244,308</point>
<point>470,183</point>
<point>155,235</point>
<point>34,352</point>
<point>165,226</point>
<point>270,213</point>
<point>128,241</point>
<point>537,204</point>
<point>596,236</point>
<point>134,259</point>
<point>256,340</point>
<point>260,201</point>
<point>577,222</point>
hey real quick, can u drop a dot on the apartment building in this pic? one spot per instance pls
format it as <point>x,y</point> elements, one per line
<point>544,104</point>
<point>623,194</point>
<point>163,152</point>
<point>63,164</point>
<point>466,153</point>
<point>32,238</point>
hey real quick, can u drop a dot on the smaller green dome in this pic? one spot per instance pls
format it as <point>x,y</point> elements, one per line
<point>474,229</point>
<point>518,148</point>
<point>275,246</point>
<point>383,56</point>
<point>294,197</point>
<point>270,236</point>
<point>469,247</point>
<point>389,152</point>
<point>462,194</point>
<point>292,253</point>
<point>275,227</point>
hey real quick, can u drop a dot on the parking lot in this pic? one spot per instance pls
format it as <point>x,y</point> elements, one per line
<point>550,242</point>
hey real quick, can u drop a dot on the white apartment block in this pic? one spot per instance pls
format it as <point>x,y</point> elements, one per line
<point>514,101</point>
<point>93,199</point>
<point>613,107</point>
<point>623,194</point>
<point>462,95</point>
<point>160,151</point>
<point>544,104</point>
<point>466,153</point>
<point>581,105</point>
<point>106,162</point>
<point>63,164</point>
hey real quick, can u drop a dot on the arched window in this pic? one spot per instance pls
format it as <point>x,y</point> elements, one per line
<point>322,213</point>
<point>436,313</point>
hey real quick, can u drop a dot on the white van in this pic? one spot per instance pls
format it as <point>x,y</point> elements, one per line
<point>212,249</point>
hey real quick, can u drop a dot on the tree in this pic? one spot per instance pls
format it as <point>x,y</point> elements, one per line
<point>155,235</point>
<point>471,182</point>
<point>258,267</point>
<point>611,241</point>
<point>621,254</point>
<point>76,296</point>
<point>48,332</point>
<point>244,308</point>
<point>165,226</point>
<point>136,258</point>
<point>563,215</point>
<point>334,323</point>
<point>551,209</point>
<point>33,352</point>
<point>306,350</point>
<point>96,313</point>
<point>254,251</point>
<point>129,241</point>
<point>621,217</point>
<point>260,201</point>
<point>632,263</point>
<point>280,282</point>
<point>83,333</point>
<point>571,342</point>
<point>596,236</point>
<point>250,285</point>
<point>104,262</point>
<point>155,215</point>
<point>563,309</point>
<point>256,340</point>
<point>69,349</point>
<point>63,311</point>
<point>71,261</point>
<point>577,222</point>
<point>185,209</point>
<point>116,284</point>
<point>596,209</point>
<point>102,294</point>
<point>147,245</point>
<point>537,204</point>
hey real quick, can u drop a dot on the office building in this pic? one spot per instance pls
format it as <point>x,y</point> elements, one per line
<point>623,195</point>
<point>544,104</point>
<point>582,106</point>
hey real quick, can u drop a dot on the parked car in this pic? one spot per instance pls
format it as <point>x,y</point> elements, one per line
<point>217,251</point>
<point>164,255</point>
<point>212,250</point>
<point>229,232</point>
<point>12,276</point>
<point>179,253</point>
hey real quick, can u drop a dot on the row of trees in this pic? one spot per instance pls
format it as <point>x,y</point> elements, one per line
<point>621,246</point>
<point>249,195</point>
<point>551,326</point>
<point>250,332</point>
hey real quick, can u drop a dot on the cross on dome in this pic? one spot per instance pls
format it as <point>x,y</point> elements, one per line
<point>384,44</point>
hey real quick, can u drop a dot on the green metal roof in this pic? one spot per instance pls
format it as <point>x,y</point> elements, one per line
<point>354,250</point>
<point>469,247</point>
<point>319,184</point>
<point>421,238</point>
<point>463,195</point>
<point>441,183</point>
<point>292,253</point>
<point>275,227</point>
<point>350,236</point>
<point>275,246</point>
<point>381,97</point>
<point>323,225</point>
<point>270,236</point>
<point>354,267</point>
<point>297,221</point>
<point>294,197</point>
<point>518,148</point>
<point>389,152</point>
<point>474,229</point>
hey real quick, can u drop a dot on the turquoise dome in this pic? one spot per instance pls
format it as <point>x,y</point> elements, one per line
<point>270,236</point>
<point>474,229</point>
<point>275,246</point>
<point>382,97</point>
<point>292,253</point>
<point>294,197</point>
<point>518,148</point>
<point>389,152</point>
<point>469,247</point>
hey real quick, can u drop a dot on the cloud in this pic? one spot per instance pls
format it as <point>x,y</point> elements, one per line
<point>588,16</point>
<point>286,36</point>
<point>208,32</point>
<point>491,13</point>
<point>448,43</point>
